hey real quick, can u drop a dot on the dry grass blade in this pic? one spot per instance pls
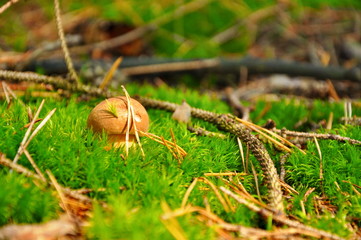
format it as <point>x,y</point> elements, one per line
<point>131,122</point>
<point>240,190</point>
<point>218,194</point>
<point>172,224</point>
<point>320,155</point>
<point>224,174</point>
<point>5,89</point>
<point>188,192</point>
<point>164,142</point>
<point>31,160</point>
<point>354,186</point>
<point>27,133</point>
<point>281,218</point>
<point>256,181</point>
<point>263,132</point>
<point>347,111</point>
<point>60,192</point>
<point>329,121</point>
<point>40,126</point>
<point>8,89</point>
<point>108,77</point>
<point>190,209</point>
<point>7,5</point>
<point>242,155</point>
<point>179,155</point>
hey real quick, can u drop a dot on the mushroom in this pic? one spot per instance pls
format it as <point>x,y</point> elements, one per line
<point>111,116</point>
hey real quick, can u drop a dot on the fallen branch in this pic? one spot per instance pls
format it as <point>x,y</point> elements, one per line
<point>156,66</point>
<point>324,136</point>
<point>279,218</point>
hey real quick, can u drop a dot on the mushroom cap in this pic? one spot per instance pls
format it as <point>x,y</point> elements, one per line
<point>111,116</point>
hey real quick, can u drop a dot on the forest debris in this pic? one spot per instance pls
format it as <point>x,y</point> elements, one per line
<point>74,78</point>
<point>182,113</point>
<point>7,5</point>
<point>203,132</point>
<point>238,109</point>
<point>324,136</point>
<point>63,228</point>
<point>280,218</point>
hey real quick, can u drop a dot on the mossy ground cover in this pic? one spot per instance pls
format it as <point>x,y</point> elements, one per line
<point>136,188</point>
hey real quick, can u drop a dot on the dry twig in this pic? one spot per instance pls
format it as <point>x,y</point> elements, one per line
<point>324,136</point>
<point>69,62</point>
<point>280,218</point>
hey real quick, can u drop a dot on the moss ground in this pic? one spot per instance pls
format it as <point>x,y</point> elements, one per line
<point>136,187</point>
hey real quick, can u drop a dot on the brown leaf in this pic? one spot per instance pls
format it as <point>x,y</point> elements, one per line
<point>182,113</point>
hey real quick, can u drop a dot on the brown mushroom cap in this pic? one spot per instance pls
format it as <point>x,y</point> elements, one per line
<point>111,116</point>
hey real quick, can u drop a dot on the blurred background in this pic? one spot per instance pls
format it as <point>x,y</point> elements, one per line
<point>192,29</point>
<point>322,32</point>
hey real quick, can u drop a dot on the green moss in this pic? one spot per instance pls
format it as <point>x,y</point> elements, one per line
<point>135,187</point>
<point>23,202</point>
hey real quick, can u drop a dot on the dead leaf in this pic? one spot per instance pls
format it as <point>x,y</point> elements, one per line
<point>182,113</point>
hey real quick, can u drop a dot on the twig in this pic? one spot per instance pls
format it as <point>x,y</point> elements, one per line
<point>283,158</point>
<point>171,67</point>
<point>279,218</point>
<point>324,136</point>
<point>203,132</point>
<point>69,63</point>
<point>7,5</point>
<point>238,109</point>
<point>154,66</point>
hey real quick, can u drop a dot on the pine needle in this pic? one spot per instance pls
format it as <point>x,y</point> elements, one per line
<point>171,223</point>
<point>27,133</point>
<point>188,192</point>
<point>60,193</point>
<point>131,120</point>
<point>320,155</point>
<point>172,146</point>
<point>242,154</point>
<point>108,77</point>
<point>218,194</point>
<point>263,132</point>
